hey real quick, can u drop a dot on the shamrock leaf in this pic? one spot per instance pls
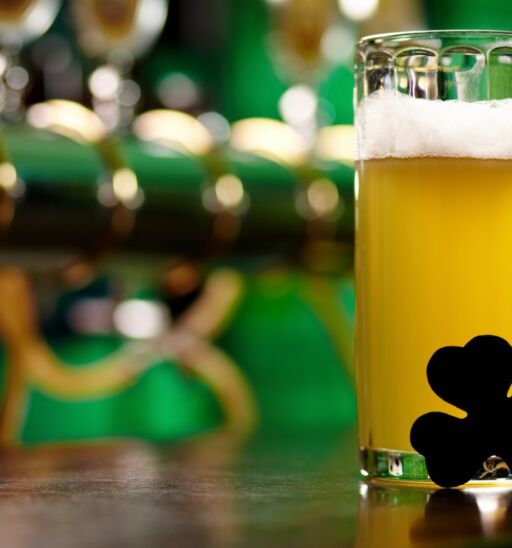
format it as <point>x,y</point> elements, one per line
<point>476,379</point>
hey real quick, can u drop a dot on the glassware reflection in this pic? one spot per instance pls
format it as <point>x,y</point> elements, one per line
<point>409,518</point>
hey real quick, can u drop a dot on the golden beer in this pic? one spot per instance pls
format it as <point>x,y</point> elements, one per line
<point>433,225</point>
<point>434,269</point>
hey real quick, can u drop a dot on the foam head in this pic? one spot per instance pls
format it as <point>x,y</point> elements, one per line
<point>394,125</point>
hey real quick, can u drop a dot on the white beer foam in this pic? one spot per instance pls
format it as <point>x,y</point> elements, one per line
<point>394,125</point>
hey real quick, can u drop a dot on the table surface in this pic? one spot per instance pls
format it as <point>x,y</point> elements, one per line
<point>275,490</point>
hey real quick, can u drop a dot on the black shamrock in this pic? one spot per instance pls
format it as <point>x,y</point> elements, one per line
<point>476,379</point>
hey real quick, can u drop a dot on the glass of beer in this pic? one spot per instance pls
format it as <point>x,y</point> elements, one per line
<point>433,226</point>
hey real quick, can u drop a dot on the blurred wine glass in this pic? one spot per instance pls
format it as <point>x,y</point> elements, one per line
<point>21,22</point>
<point>308,38</point>
<point>299,29</point>
<point>116,33</point>
<point>118,29</point>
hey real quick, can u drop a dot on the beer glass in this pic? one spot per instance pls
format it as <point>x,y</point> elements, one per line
<point>433,226</point>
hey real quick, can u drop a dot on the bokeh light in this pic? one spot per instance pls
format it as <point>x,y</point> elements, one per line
<point>271,139</point>
<point>358,10</point>
<point>141,319</point>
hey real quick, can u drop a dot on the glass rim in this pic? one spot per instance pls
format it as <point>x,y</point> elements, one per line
<point>432,34</point>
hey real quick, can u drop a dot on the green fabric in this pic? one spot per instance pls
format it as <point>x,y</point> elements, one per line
<point>280,343</point>
<point>338,90</point>
<point>284,349</point>
<point>253,83</point>
<point>477,14</point>
<point>252,86</point>
<point>162,405</point>
<point>36,154</point>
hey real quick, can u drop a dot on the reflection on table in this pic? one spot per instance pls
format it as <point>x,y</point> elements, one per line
<point>408,517</point>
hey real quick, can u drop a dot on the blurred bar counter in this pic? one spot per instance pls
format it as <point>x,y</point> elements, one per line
<point>59,211</point>
<point>287,331</point>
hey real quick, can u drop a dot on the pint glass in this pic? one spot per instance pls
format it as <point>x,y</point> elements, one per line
<point>433,226</point>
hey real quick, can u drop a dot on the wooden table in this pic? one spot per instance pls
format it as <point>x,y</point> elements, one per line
<point>276,490</point>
